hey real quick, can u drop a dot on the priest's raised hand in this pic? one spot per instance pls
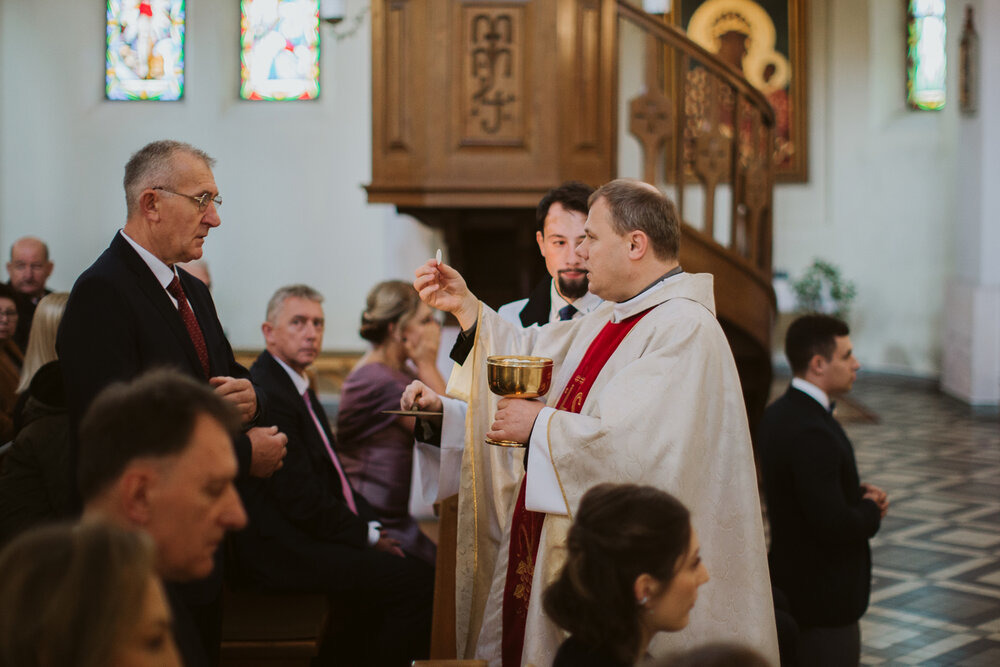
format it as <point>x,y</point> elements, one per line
<point>442,287</point>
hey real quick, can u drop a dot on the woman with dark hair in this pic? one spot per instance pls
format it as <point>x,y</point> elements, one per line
<point>376,448</point>
<point>632,570</point>
<point>83,595</point>
<point>10,361</point>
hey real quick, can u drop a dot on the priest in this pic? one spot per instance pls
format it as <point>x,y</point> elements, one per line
<point>644,390</point>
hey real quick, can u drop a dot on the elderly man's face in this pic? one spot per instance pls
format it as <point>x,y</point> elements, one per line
<point>180,231</point>
<point>192,503</point>
<point>296,334</point>
<point>28,267</point>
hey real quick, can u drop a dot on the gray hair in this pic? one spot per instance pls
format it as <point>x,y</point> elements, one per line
<point>288,292</point>
<point>151,166</point>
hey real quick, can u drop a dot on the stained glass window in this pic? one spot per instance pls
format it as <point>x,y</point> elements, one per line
<point>925,59</point>
<point>279,42</point>
<point>145,57</point>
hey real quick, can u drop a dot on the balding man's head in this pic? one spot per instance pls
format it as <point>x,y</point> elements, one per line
<point>29,267</point>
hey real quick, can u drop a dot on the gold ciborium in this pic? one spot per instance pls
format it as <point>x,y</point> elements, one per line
<point>517,377</point>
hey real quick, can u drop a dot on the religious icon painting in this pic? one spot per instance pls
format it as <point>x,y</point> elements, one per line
<point>145,50</point>
<point>764,40</point>
<point>279,49</point>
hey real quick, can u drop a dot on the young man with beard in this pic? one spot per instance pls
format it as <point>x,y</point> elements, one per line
<point>561,215</point>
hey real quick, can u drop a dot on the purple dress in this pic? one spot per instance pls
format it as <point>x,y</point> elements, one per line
<point>376,451</point>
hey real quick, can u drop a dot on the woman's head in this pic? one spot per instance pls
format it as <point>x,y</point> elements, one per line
<point>390,308</point>
<point>631,569</point>
<point>42,339</point>
<point>8,312</point>
<point>85,595</point>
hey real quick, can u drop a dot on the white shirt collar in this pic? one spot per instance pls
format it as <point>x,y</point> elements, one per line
<point>624,310</point>
<point>300,381</point>
<point>583,305</point>
<point>164,274</point>
<point>807,387</point>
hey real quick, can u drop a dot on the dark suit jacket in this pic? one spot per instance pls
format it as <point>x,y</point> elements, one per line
<point>119,322</point>
<point>820,524</point>
<point>301,535</point>
<point>536,311</point>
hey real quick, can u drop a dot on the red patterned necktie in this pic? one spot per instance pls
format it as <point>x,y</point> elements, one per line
<point>190,322</point>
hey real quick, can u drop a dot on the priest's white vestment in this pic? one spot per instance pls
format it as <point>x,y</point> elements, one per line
<point>667,411</point>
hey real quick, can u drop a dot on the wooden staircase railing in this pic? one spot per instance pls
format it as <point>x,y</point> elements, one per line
<point>706,136</point>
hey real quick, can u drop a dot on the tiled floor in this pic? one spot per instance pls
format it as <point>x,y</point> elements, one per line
<point>936,584</point>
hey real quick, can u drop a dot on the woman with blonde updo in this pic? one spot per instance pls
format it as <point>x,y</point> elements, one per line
<point>377,449</point>
<point>632,570</point>
<point>84,595</point>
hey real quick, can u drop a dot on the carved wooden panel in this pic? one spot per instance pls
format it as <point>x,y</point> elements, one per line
<point>493,53</point>
<point>397,76</point>
<point>587,74</point>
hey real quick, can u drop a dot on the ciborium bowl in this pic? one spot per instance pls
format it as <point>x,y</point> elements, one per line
<point>517,377</point>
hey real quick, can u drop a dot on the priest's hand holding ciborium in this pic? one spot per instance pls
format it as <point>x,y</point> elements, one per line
<point>517,377</point>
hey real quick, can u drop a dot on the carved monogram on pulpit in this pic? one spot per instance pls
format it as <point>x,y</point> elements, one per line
<point>494,80</point>
<point>488,55</point>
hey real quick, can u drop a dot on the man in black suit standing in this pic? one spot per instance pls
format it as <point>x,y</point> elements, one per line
<point>821,515</point>
<point>133,311</point>
<point>309,530</point>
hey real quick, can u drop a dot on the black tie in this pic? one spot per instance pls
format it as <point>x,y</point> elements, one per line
<point>567,312</point>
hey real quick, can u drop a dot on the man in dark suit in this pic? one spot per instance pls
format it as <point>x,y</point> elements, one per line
<point>133,311</point>
<point>28,270</point>
<point>157,455</point>
<point>560,217</point>
<point>309,530</point>
<point>821,515</point>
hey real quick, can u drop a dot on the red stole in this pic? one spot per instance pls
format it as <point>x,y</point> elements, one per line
<point>526,526</point>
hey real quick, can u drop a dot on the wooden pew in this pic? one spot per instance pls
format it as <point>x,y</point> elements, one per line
<point>271,630</point>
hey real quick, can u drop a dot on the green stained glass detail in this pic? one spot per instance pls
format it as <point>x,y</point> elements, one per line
<point>926,61</point>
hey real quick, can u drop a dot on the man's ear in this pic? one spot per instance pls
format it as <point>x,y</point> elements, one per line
<point>540,240</point>
<point>638,244</point>
<point>149,204</point>
<point>134,490</point>
<point>817,365</point>
<point>266,328</point>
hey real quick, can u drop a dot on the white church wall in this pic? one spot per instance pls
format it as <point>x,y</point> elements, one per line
<point>881,198</point>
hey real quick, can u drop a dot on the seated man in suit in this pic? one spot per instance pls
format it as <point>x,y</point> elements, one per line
<point>157,455</point>
<point>309,530</point>
<point>822,516</point>
<point>564,295</point>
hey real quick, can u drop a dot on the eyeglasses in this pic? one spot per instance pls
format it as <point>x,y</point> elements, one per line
<point>8,314</point>
<point>201,200</point>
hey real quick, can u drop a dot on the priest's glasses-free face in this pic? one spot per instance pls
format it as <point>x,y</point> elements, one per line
<point>517,377</point>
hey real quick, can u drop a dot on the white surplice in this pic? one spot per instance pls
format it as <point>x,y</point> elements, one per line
<point>667,411</point>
